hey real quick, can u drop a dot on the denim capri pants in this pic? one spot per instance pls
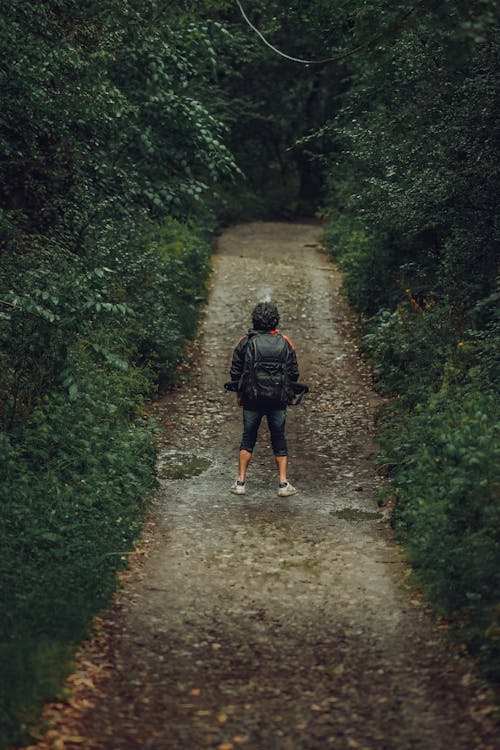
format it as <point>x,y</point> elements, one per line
<point>276,419</point>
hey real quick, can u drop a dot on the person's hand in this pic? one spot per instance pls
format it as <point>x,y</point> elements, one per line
<point>238,400</point>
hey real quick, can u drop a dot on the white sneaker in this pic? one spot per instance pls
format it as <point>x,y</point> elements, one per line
<point>238,488</point>
<point>286,489</point>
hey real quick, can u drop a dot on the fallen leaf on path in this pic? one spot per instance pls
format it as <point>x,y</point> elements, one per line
<point>338,671</point>
<point>482,713</point>
<point>222,718</point>
<point>81,681</point>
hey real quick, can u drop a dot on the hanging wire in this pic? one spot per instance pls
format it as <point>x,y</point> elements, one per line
<point>341,56</point>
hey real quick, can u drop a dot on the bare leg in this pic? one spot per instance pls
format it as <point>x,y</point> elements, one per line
<point>282,463</point>
<point>244,460</point>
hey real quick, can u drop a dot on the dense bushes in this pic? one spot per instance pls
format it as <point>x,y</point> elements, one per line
<point>439,445</point>
<point>369,262</point>
<point>445,479</point>
<point>74,478</point>
<point>412,224</point>
<point>169,288</point>
<point>78,460</point>
<point>106,135</point>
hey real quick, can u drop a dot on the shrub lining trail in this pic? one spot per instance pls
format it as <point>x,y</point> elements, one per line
<point>269,624</point>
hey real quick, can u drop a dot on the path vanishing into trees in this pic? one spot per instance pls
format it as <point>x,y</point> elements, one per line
<point>262,622</point>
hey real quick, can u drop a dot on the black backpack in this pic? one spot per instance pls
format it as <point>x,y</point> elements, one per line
<point>265,372</point>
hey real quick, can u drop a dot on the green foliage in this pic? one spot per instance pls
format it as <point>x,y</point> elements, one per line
<point>369,263</point>
<point>270,106</point>
<point>413,351</point>
<point>103,116</point>
<point>77,454</point>
<point>75,475</point>
<point>416,168</point>
<point>32,671</point>
<point>445,478</point>
<point>439,444</point>
<point>177,266</point>
<point>107,132</point>
<point>412,224</point>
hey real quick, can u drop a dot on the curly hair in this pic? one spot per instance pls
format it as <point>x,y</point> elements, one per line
<point>265,316</point>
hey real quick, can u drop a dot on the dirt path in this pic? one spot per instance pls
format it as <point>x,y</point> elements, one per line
<point>267,623</point>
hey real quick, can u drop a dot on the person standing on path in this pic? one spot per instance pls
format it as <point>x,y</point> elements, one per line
<point>263,369</point>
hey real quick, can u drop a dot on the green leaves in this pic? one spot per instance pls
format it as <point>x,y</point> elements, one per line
<point>110,357</point>
<point>412,226</point>
<point>107,128</point>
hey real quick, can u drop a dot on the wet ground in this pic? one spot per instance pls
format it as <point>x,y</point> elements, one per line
<point>273,623</point>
